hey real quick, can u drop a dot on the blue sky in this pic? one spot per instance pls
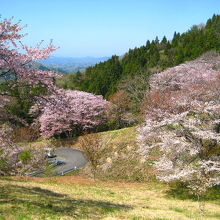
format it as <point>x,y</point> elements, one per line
<point>105,27</point>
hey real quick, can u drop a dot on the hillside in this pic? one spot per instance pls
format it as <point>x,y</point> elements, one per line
<point>157,55</point>
<point>177,96</point>
<point>81,197</point>
<point>115,194</point>
<point>113,163</point>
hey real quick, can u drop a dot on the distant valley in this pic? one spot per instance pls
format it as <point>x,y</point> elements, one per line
<point>71,64</point>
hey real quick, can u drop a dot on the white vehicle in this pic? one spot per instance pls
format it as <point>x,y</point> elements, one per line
<point>50,152</point>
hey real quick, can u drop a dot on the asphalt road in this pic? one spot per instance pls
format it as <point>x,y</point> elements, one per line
<point>74,159</point>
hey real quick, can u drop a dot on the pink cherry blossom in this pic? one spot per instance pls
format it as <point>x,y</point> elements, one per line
<point>17,65</point>
<point>182,120</point>
<point>17,70</point>
<point>68,110</point>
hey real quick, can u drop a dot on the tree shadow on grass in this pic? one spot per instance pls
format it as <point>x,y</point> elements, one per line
<point>11,179</point>
<point>43,202</point>
<point>180,191</point>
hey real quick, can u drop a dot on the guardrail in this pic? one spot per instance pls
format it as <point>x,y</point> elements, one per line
<point>55,162</point>
<point>61,173</point>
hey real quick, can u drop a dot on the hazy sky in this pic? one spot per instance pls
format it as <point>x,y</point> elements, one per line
<point>105,27</point>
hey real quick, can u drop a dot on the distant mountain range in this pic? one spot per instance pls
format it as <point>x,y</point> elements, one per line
<point>71,64</point>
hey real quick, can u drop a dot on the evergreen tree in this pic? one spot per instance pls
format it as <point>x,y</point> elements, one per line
<point>164,40</point>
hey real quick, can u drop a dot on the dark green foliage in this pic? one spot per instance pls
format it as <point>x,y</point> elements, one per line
<point>71,81</point>
<point>164,40</point>
<point>180,190</point>
<point>22,98</point>
<point>103,78</point>
<point>25,156</point>
<point>155,56</point>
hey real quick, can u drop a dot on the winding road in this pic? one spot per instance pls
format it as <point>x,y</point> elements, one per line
<point>66,160</point>
<point>74,159</point>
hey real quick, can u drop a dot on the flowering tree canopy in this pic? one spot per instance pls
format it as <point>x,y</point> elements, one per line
<point>183,121</point>
<point>69,110</point>
<point>15,65</point>
<point>17,72</point>
<point>18,75</point>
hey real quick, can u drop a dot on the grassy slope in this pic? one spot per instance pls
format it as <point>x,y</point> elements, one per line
<point>73,197</point>
<point>120,160</point>
<point>79,198</point>
<point>114,164</point>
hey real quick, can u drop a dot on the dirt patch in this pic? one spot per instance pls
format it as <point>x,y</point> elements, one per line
<point>61,179</point>
<point>66,180</point>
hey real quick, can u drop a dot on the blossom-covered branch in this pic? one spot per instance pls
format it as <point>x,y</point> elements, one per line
<point>16,66</point>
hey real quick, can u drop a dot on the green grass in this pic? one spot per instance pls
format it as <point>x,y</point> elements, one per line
<point>122,145</point>
<point>176,209</point>
<point>74,197</point>
<point>79,198</point>
<point>114,164</point>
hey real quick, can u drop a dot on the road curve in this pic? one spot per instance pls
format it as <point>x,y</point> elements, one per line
<point>74,159</point>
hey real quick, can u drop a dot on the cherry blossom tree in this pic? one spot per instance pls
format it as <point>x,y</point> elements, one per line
<point>183,123</point>
<point>17,73</point>
<point>60,111</point>
<point>68,111</point>
<point>14,65</point>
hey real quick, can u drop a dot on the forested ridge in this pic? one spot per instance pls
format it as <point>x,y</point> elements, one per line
<point>157,55</point>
